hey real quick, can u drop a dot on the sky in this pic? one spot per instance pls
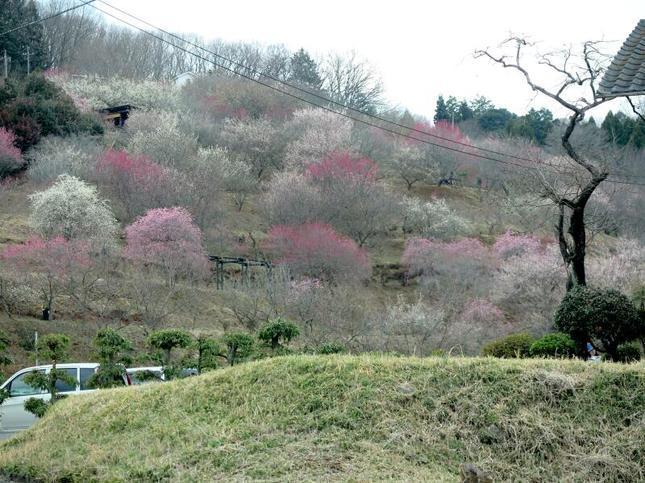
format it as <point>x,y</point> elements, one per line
<point>421,49</point>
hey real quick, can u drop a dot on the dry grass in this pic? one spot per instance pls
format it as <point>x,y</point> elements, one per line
<point>344,418</point>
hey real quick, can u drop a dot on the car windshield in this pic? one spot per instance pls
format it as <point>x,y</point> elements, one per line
<point>19,387</point>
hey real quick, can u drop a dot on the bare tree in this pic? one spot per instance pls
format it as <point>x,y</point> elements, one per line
<point>577,177</point>
<point>352,82</point>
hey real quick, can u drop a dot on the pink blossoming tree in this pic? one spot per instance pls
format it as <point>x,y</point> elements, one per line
<point>10,157</point>
<point>53,267</point>
<point>167,259</point>
<point>317,250</point>
<point>168,238</point>
<point>510,244</point>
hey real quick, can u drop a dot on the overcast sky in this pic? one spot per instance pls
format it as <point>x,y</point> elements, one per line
<point>420,48</point>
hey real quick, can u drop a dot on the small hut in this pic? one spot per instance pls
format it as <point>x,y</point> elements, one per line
<point>117,114</point>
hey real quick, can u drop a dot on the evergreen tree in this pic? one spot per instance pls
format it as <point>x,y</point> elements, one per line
<point>481,105</point>
<point>495,119</point>
<point>535,125</point>
<point>407,119</point>
<point>304,70</point>
<point>465,112</point>
<point>441,112</point>
<point>452,106</point>
<point>637,138</point>
<point>14,14</point>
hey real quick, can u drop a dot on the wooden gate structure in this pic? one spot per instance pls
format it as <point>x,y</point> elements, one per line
<point>244,264</point>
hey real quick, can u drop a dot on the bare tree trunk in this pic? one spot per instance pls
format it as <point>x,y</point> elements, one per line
<point>572,239</point>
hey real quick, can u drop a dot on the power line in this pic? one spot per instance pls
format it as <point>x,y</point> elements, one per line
<point>310,102</point>
<point>314,94</point>
<point>57,14</point>
<point>308,92</point>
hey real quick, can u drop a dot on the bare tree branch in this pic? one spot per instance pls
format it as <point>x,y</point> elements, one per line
<point>639,114</point>
<point>572,240</point>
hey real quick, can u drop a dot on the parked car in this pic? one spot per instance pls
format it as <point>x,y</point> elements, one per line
<point>142,375</point>
<point>14,417</point>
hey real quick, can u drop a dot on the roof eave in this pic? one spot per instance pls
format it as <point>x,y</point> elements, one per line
<point>613,95</point>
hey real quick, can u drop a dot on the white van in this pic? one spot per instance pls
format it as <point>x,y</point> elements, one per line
<point>14,417</point>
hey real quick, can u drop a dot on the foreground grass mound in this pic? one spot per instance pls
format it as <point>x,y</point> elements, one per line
<point>351,418</point>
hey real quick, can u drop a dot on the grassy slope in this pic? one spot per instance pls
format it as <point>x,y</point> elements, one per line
<point>351,418</point>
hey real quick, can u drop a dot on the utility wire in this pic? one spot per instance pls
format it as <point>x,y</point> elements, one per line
<point>307,101</point>
<point>309,92</point>
<point>57,14</point>
<point>314,94</point>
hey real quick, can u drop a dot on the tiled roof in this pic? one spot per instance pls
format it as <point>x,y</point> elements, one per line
<point>626,74</point>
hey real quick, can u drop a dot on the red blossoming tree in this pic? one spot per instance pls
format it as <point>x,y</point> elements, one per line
<point>317,250</point>
<point>136,181</point>
<point>344,165</point>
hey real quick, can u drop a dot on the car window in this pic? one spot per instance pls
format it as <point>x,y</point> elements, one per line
<point>141,377</point>
<point>62,386</point>
<point>18,387</point>
<point>86,373</point>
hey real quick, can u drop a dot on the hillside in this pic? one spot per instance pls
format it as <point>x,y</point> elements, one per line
<point>305,418</point>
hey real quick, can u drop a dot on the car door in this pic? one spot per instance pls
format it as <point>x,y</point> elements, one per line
<point>13,416</point>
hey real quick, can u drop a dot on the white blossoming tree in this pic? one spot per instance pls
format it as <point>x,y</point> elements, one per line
<point>72,209</point>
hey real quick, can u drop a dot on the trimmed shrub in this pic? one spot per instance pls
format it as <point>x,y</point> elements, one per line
<point>553,345</point>
<point>331,348</point>
<point>166,341</point>
<point>607,315</point>
<point>278,332</point>
<point>238,346</point>
<point>514,345</point>
<point>629,352</point>
<point>112,350</point>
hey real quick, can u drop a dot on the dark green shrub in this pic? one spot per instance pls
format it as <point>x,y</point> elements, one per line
<point>331,348</point>
<point>553,345</point>
<point>36,107</point>
<point>4,345</point>
<point>208,350</point>
<point>238,346</point>
<point>514,345</point>
<point>587,313</point>
<point>167,340</point>
<point>629,352</point>
<point>52,347</point>
<point>112,350</point>
<point>278,332</point>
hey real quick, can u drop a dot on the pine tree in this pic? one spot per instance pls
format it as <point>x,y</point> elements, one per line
<point>304,70</point>
<point>452,106</point>
<point>441,111</point>
<point>14,14</point>
<point>465,112</point>
<point>637,138</point>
